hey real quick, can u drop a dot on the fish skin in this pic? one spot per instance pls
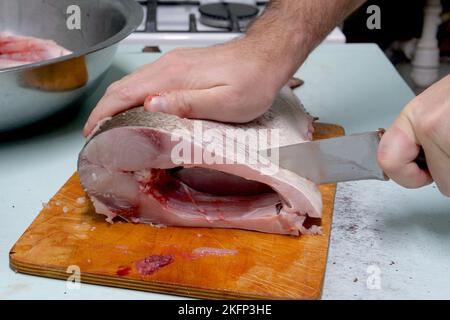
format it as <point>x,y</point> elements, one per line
<point>127,183</point>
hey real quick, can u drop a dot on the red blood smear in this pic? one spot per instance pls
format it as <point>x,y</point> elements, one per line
<point>153,263</point>
<point>164,186</point>
<point>123,271</point>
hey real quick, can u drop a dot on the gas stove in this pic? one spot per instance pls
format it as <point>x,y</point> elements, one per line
<point>204,22</point>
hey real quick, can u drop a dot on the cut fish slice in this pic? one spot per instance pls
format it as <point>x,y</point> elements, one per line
<point>128,170</point>
<point>20,50</point>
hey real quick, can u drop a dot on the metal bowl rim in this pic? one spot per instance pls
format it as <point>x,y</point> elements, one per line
<point>137,14</point>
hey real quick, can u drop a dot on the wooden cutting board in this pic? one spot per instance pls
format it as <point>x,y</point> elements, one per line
<point>68,232</point>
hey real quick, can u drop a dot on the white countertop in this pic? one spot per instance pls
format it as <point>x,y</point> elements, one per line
<point>378,227</point>
<point>202,38</point>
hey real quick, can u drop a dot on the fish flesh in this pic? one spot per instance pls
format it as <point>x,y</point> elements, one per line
<point>128,170</point>
<point>16,50</point>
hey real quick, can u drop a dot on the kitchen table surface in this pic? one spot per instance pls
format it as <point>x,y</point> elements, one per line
<point>386,242</point>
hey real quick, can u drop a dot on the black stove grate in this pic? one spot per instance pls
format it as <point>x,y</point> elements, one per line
<point>151,22</point>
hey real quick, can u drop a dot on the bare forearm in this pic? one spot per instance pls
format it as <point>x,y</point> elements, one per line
<point>290,29</point>
<point>233,82</point>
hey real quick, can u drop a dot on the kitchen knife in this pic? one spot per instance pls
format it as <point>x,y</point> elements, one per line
<point>346,158</point>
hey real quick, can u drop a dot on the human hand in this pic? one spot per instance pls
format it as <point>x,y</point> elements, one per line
<point>234,82</point>
<point>425,122</point>
<point>228,83</point>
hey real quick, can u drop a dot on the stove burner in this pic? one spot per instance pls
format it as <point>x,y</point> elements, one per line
<point>230,15</point>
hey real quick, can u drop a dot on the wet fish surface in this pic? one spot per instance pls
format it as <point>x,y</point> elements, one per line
<point>128,170</point>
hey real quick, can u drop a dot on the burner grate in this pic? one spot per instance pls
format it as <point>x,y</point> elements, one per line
<point>232,16</point>
<point>227,17</point>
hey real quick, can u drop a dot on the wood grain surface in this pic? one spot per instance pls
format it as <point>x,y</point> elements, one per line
<point>68,232</point>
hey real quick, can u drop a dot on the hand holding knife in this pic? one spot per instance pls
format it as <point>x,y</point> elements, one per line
<point>347,158</point>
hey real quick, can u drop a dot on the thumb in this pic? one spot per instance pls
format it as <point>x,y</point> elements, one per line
<point>176,102</point>
<point>397,151</point>
<point>211,104</point>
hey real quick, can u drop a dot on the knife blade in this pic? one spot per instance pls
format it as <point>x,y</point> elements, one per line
<point>346,158</point>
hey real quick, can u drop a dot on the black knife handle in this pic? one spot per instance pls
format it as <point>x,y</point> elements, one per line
<point>421,160</point>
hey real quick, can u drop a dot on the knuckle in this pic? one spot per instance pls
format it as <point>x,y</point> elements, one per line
<point>418,107</point>
<point>184,106</point>
<point>175,62</point>
<point>174,68</point>
<point>234,100</point>
<point>388,156</point>
<point>426,127</point>
<point>422,117</point>
<point>385,161</point>
<point>381,158</point>
<point>123,93</point>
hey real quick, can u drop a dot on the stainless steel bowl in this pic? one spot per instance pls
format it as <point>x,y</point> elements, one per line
<point>32,92</point>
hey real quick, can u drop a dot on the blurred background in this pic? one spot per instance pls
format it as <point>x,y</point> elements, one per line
<point>402,25</point>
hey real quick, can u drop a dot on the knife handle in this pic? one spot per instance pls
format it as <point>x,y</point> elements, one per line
<point>421,160</point>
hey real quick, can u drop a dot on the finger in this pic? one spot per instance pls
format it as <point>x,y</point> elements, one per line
<point>294,83</point>
<point>396,154</point>
<point>439,166</point>
<point>433,133</point>
<point>129,92</point>
<point>212,104</point>
<point>113,102</point>
<point>429,113</point>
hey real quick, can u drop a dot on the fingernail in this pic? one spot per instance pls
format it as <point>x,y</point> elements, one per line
<point>158,104</point>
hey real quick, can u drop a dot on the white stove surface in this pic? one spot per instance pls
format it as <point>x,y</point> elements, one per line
<point>175,20</point>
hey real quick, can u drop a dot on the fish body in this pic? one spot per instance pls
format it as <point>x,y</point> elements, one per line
<point>127,168</point>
